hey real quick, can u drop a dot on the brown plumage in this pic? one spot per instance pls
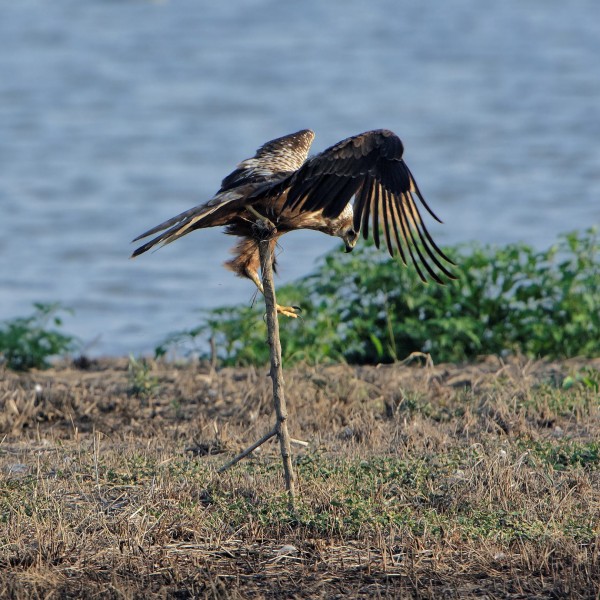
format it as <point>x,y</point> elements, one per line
<point>360,179</point>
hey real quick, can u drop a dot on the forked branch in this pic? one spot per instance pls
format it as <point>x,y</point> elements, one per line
<point>265,231</point>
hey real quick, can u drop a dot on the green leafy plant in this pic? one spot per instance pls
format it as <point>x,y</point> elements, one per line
<point>366,308</point>
<point>142,384</point>
<point>588,378</point>
<point>29,342</point>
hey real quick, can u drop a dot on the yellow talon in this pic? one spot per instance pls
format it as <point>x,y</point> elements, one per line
<point>288,311</point>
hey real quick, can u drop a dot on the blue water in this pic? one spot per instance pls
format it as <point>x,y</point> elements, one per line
<point>118,114</point>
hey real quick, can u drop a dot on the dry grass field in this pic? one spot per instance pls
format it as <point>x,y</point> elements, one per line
<point>476,481</point>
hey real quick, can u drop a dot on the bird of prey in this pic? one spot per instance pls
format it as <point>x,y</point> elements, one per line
<point>360,179</point>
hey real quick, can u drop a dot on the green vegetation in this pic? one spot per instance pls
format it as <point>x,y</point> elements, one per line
<point>142,384</point>
<point>28,342</point>
<point>366,308</point>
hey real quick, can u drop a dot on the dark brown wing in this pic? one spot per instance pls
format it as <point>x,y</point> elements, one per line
<point>370,168</point>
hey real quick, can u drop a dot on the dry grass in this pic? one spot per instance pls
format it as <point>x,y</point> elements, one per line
<point>447,482</point>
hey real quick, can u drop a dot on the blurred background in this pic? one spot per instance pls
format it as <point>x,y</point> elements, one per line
<point>118,114</point>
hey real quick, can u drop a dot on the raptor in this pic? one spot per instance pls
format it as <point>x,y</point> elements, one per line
<point>359,181</point>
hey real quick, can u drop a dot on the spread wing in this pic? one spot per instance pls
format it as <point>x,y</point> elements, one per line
<point>370,168</point>
<point>280,156</point>
<point>273,162</point>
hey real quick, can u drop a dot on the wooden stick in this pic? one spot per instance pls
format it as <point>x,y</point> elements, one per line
<point>265,232</point>
<point>248,450</point>
<point>276,366</point>
<point>253,447</point>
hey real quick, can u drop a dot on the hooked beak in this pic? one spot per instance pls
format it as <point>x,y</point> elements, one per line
<point>349,238</point>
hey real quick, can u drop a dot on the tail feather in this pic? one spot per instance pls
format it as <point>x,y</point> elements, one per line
<point>187,221</point>
<point>173,221</point>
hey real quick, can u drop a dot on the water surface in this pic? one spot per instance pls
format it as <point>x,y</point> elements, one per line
<point>115,115</point>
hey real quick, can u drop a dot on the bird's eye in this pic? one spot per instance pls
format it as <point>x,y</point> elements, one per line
<point>351,232</point>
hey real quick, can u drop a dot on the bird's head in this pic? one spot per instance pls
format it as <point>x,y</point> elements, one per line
<point>350,238</point>
<point>343,227</point>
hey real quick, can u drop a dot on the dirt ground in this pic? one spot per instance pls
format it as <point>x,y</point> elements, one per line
<point>446,481</point>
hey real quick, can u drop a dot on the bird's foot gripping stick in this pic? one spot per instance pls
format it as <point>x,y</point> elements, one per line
<point>264,230</point>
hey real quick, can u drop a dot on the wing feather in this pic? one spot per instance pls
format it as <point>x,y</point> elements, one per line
<point>414,244</point>
<point>283,155</point>
<point>370,168</point>
<point>405,229</point>
<point>396,220</point>
<point>376,203</point>
<point>415,188</point>
<point>387,216</point>
<point>362,198</point>
<point>342,198</point>
<point>366,210</point>
<point>425,238</point>
<point>325,188</point>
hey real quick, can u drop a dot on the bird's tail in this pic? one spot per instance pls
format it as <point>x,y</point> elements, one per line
<point>209,214</point>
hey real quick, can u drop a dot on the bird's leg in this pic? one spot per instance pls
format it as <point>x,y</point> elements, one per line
<point>288,311</point>
<point>269,227</point>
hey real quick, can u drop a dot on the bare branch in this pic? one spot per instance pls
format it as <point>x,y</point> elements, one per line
<point>248,450</point>
<point>264,232</point>
<point>276,366</point>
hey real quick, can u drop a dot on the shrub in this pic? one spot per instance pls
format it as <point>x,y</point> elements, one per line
<point>364,307</point>
<point>27,342</point>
